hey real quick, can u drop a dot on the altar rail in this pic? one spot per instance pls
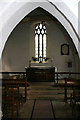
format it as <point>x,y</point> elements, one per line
<point>67,80</point>
<point>66,75</point>
<point>11,74</point>
<point>23,74</point>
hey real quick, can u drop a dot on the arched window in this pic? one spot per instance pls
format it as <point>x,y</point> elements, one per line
<point>40,42</point>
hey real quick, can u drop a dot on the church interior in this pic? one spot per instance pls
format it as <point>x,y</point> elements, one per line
<point>40,70</point>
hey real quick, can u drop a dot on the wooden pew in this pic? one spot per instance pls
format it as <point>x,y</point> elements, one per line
<point>10,104</point>
<point>73,83</point>
<point>16,83</point>
<point>75,99</point>
<point>68,83</point>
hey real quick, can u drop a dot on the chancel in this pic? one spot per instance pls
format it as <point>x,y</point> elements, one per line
<point>40,59</point>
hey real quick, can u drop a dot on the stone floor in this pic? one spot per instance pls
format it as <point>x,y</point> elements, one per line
<point>43,92</point>
<point>47,91</point>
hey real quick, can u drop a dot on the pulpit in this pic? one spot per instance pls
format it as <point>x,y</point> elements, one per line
<point>40,73</point>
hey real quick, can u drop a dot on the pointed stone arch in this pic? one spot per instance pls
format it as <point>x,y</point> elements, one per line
<point>20,10</point>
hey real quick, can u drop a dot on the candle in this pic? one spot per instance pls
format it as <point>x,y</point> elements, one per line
<point>29,63</point>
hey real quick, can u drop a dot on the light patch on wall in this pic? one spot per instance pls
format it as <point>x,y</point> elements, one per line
<point>6,68</point>
<point>79,26</point>
<point>79,18</point>
<point>73,5</point>
<point>0,65</point>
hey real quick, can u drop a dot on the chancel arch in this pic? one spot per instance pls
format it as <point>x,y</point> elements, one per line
<point>22,40</point>
<point>22,10</point>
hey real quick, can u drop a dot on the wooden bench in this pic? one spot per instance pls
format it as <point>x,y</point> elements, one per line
<point>75,102</point>
<point>70,82</point>
<point>10,105</point>
<point>16,83</point>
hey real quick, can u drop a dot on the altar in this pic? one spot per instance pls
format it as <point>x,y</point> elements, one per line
<point>40,73</point>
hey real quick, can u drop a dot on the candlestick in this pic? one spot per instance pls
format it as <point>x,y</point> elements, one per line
<point>52,62</point>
